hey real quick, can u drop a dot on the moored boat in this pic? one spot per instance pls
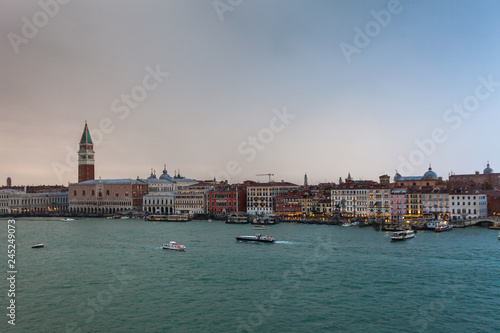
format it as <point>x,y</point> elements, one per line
<point>431,225</point>
<point>402,235</point>
<point>264,220</point>
<point>156,218</point>
<point>178,218</point>
<point>443,227</point>
<point>237,219</point>
<point>169,218</point>
<point>256,238</point>
<point>172,245</point>
<point>260,227</point>
<point>36,246</point>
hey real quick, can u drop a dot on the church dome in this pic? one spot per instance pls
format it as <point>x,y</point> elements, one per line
<point>165,175</point>
<point>153,175</point>
<point>430,175</point>
<point>488,170</point>
<point>397,176</point>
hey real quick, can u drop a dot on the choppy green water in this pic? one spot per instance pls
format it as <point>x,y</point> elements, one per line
<point>97,275</point>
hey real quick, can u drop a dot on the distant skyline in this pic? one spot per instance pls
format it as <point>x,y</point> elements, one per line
<point>237,89</point>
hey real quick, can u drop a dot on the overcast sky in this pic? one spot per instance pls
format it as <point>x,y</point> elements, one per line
<point>283,87</point>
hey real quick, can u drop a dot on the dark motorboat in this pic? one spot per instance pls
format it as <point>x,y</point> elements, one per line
<point>37,246</point>
<point>256,238</point>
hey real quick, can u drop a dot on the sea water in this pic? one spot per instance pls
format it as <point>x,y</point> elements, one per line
<point>98,275</point>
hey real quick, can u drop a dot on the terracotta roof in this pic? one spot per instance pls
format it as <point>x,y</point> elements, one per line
<point>276,184</point>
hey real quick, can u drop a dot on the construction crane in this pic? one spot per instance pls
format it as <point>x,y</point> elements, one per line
<point>266,174</point>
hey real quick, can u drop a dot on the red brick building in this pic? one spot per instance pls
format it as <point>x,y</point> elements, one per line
<point>106,196</point>
<point>477,180</point>
<point>493,199</point>
<point>289,205</point>
<point>86,157</point>
<point>227,199</point>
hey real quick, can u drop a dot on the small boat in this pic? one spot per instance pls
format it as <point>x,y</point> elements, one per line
<point>156,218</point>
<point>346,224</point>
<point>67,219</point>
<point>209,220</point>
<point>260,227</point>
<point>443,227</point>
<point>402,235</point>
<point>172,245</point>
<point>178,218</point>
<point>268,219</point>
<point>124,218</point>
<point>256,238</point>
<point>37,246</point>
<point>499,235</point>
<point>237,219</point>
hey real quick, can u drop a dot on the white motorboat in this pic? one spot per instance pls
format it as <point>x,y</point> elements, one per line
<point>172,245</point>
<point>443,227</point>
<point>402,235</point>
<point>67,219</point>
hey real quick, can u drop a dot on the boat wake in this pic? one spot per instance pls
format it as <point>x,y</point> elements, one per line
<point>286,242</point>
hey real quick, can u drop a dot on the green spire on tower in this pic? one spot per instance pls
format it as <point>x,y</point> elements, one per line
<point>86,139</point>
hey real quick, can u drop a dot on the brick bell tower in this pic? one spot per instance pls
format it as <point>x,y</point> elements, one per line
<point>86,157</point>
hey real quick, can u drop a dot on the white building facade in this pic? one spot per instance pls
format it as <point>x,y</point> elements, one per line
<point>159,203</point>
<point>261,196</point>
<point>362,200</point>
<point>468,205</point>
<point>191,201</point>
<point>18,202</point>
<point>350,201</point>
<point>436,204</point>
<point>165,191</point>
